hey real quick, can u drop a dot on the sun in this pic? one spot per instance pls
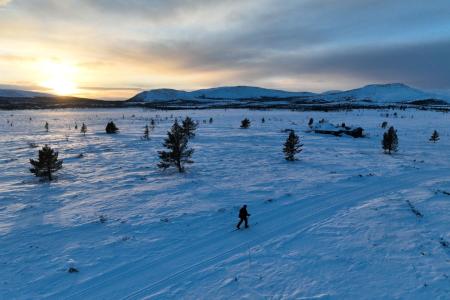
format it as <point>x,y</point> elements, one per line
<point>59,77</point>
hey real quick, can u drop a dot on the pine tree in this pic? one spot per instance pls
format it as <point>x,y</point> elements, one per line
<point>83,129</point>
<point>189,127</point>
<point>47,163</point>
<point>152,123</point>
<point>210,120</point>
<point>390,140</point>
<point>146,133</point>
<point>245,123</point>
<point>46,126</point>
<point>292,146</point>
<point>310,122</point>
<point>263,120</point>
<point>179,154</point>
<point>111,128</point>
<point>384,124</point>
<point>76,126</point>
<point>434,137</point>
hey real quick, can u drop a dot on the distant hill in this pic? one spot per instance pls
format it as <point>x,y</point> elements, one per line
<point>10,93</point>
<point>233,96</point>
<point>217,93</point>
<point>376,93</point>
<point>382,93</point>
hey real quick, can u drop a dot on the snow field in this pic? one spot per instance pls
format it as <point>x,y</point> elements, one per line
<point>333,225</point>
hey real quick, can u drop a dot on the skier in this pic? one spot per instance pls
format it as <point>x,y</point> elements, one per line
<point>243,216</point>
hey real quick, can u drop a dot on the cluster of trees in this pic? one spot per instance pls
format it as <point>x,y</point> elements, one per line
<point>389,142</point>
<point>178,153</point>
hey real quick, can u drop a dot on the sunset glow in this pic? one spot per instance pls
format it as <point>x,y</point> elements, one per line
<point>58,77</point>
<point>80,50</point>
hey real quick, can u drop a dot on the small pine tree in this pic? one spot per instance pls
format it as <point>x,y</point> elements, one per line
<point>46,126</point>
<point>434,137</point>
<point>245,123</point>
<point>211,120</point>
<point>152,123</point>
<point>292,146</point>
<point>390,140</point>
<point>76,126</point>
<point>47,163</point>
<point>310,122</point>
<point>263,120</point>
<point>189,127</point>
<point>83,129</point>
<point>146,133</point>
<point>179,154</point>
<point>111,128</point>
<point>384,125</point>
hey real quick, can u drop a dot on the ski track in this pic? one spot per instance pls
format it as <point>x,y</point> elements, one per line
<point>124,279</point>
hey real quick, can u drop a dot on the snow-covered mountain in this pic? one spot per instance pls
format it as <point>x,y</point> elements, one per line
<point>217,93</point>
<point>9,93</point>
<point>246,92</point>
<point>162,95</point>
<point>378,93</point>
<point>385,93</point>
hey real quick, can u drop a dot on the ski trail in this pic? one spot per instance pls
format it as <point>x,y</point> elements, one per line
<point>321,214</point>
<point>143,263</point>
<point>132,274</point>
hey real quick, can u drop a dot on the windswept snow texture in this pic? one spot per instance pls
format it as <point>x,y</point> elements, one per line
<point>333,225</point>
<point>377,93</point>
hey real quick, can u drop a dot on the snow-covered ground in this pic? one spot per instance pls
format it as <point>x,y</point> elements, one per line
<point>334,225</point>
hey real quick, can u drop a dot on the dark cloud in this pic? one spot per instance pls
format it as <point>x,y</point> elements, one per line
<point>421,64</point>
<point>362,40</point>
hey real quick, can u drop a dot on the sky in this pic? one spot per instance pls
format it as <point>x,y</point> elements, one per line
<point>112,49</point>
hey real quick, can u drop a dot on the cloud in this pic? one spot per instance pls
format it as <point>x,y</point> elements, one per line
<point>191,43</point>
<point>4,2</point>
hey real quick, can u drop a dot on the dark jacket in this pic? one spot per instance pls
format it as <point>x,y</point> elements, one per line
<point>243,213</point>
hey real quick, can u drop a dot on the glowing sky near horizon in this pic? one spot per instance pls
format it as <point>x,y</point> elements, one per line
<point>114,48</point>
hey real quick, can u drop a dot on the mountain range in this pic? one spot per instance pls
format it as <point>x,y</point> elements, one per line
<point>374,93</point>
<point>377,93</point>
